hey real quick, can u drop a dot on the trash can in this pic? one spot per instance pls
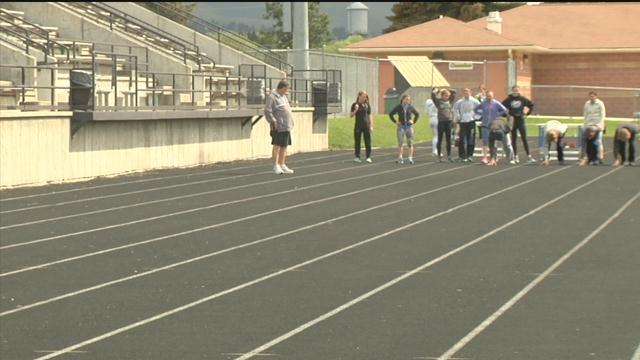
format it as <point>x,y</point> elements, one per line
<point>319,97</point>
<point>81,82</point>
<point>255,92</point>
<point>391,99</point>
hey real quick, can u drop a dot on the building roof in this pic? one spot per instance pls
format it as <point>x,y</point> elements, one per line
<point>572,26</point>
<point>419,71</point>
<point>443,32</point>
<point>540,28</point>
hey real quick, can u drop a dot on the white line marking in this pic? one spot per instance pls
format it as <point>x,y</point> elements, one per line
<point>164,188</point>
<point>35,241</point>
<point>30,268</point>
<point>156,178</point>
<point>184,262</point>
<point>279,179</point>
<point>269,276</point>
<point>509,304</point>
<point>402,277</point>
<point>262,354</point>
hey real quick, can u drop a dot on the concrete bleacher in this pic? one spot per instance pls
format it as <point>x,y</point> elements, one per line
<point>69,52</point>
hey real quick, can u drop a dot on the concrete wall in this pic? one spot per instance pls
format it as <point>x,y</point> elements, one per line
<point>221,53</point>
<point>36,147</point>
<point>11,55</point>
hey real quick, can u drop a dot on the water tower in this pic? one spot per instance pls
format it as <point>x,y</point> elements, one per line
<point>357,18</point>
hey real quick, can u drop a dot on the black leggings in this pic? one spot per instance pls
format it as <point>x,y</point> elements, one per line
<point>467,140</point>
<point>357,134</point>
<point>519,125</point>
<point>444,131</point>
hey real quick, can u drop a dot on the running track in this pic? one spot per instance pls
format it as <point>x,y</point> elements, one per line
<point>337,261</point>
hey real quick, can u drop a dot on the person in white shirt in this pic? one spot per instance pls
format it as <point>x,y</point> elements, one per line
<point>464,118</point>
<point>554,131</point>
<point>432,111</point>
<point>594,113</point>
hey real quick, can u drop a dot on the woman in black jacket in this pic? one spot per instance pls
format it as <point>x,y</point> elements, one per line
<point>361,109</point>
<point>516,103</point>
<point>405,125</point>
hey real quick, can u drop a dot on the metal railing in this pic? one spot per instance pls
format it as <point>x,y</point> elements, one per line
<point>31,31</point>
<point>118,19</point>
<point>228,38</point>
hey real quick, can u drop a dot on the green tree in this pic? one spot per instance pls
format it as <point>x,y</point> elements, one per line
<point>276,37</point>
<point>182,16</point>
<point>332,47</point>
<point>407,14</point>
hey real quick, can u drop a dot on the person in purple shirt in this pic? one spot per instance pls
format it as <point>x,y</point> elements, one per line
<point>490,109</point>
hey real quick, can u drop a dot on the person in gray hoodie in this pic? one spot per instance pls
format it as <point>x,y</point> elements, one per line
<point>444,103</point>
<point>278,113</point>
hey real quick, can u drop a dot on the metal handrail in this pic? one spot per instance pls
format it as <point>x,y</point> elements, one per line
<point>231,39</point>
<point>116,16</point>
<point>26,39</point>
<point>45,36</point>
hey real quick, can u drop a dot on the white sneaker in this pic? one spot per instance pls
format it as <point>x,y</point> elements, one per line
<point>531,159</point>
<point>400,161</point>
<point>369,160</point>
<point>286,170</point>
<point>513,162</point>
<point>410,160</point>
<point>357,160</point>
<point>277,169</point>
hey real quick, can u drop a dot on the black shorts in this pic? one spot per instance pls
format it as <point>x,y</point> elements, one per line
<point>282,139</point>
<point>272,133</point>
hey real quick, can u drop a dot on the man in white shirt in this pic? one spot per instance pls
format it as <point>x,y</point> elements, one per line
<point>594,113</point>
<point>464,118</point>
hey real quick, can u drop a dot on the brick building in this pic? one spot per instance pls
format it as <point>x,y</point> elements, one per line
<point>543,48</point>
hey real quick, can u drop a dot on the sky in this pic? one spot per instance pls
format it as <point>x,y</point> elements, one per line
<point>250,13</point>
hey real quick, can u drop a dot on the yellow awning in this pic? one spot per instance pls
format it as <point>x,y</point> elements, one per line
<point>419,71</point>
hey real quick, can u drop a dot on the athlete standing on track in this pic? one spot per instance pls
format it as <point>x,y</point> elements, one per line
<point>445,119</point>
<point>432,111</point>
<point>594,113</point>
<point>516,103</point>
<point>490,109</point>
<point>361,109</point>
<point>405,125</point>
<point>463,116</point>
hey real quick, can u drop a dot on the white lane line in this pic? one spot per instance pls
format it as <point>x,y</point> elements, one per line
<point>30,268</point>
<point>269,276</point>
<point>388,284</point>
<point>522,293</point>
<point>35,241</point>
<point>155,189</point>
<point>279,179</point>
<point>261,354</point>
<point>636,355</point>
<point>205,256</point>
<point>157,178</point>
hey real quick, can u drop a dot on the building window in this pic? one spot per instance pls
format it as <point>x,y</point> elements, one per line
<point>438,55</point>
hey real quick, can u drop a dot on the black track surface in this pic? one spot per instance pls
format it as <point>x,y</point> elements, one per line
<point>213,262</point>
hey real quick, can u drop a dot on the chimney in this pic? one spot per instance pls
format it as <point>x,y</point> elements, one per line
<point>494,22</point>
